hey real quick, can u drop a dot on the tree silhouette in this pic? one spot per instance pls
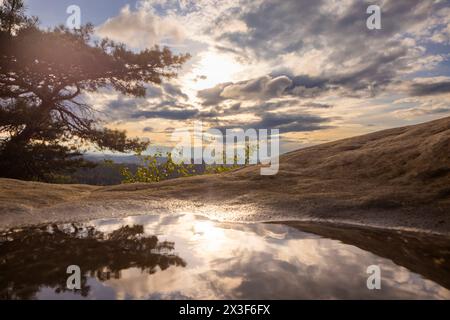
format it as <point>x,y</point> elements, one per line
<point>44,122</point>
<point>38,257</point>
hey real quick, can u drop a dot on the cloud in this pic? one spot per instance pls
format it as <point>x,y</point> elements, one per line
<point>293,64</point>
<point>257,89</point>
<point>442,35</point>
<point>174,91</point>
<point>167,101</point>
<point>317,105</point>
<point>290,122</point>
<point>328,46</point>
<point>425,96</point>
<point>421,111</point>
<point>165,113</point>
<point>262,88</point>
<point>285,122</point>
<point>365,82</point>
<point>290,106</point>
<point>432,88</point>
<point>148,129</point>
<point>132,109</point>
<point>141,28</point>
<point>154,91</point>
<point>212,96</point>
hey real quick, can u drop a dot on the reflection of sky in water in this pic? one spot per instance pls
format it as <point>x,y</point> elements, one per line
<point>253,261</point>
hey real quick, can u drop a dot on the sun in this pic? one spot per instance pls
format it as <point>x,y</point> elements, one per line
<point>213,238</point>
<point>212,69</point>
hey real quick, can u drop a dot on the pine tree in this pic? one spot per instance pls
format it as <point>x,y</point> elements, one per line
<point>44,125</point>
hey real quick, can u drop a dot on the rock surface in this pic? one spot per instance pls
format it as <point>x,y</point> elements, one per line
<point>397,178</point>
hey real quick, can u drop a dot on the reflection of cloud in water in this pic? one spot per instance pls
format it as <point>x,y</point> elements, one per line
<point>244,261</point>
<point>259,261</point>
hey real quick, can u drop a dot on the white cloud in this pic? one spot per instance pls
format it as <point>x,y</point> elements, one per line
<point>141,28</point>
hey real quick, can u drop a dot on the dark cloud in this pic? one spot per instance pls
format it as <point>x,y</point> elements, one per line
<point>227,49</point>
<point>235,107</point>
<point>268,113</point>
<point>217,112</point>
<point>425,89</point>
<point>167,91</point>
<point>290,122</point>
<point>439,111</point>
<point>285,122</point>
<point>212,96</point>
<point>153,91</point>
<point>220,111</point>
<point>317,105</point>
<point>174,91</point>
<point>165,114</point>
<point>261,88</point>
<point>166,101</point>
<point>269,87</point>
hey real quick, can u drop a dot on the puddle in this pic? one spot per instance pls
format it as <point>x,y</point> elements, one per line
<point>191,257</point>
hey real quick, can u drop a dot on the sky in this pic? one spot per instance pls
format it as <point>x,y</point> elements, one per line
<point>311,69</point>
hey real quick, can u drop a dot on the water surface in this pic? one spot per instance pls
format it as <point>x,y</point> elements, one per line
<point>191,257</point>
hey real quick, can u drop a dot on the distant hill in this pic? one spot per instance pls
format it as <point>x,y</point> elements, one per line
<point>120,158</point>
<point>102,175</point>
<point>105,174</point>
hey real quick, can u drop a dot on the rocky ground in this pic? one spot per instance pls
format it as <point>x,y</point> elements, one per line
<point>397,178</point>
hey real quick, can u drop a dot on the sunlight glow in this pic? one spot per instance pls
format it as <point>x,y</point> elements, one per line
<point>213,68</point>
<point>212,236</point>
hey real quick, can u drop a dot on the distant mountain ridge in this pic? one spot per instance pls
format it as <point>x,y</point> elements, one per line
<point>120,159</point>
